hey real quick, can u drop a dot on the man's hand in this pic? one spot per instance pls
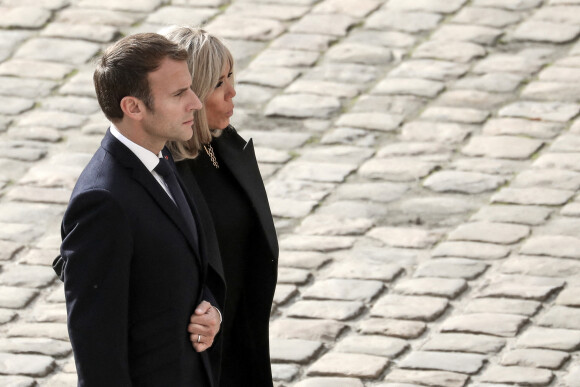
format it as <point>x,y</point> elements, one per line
<point>203,326</point>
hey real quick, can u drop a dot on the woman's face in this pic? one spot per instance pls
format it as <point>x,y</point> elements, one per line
<point>219,105</point>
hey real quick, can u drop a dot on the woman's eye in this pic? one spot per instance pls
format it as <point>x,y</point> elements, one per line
<point>219,84</point>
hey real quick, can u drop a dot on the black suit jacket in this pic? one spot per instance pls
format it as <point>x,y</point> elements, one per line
<point>250,326</point>
<point>133,276</point>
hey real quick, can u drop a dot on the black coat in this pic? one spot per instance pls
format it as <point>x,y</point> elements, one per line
<point>249,252</point>
<point>133,276</point>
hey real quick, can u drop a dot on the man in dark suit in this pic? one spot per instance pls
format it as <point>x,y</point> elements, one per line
<point>135,260</point>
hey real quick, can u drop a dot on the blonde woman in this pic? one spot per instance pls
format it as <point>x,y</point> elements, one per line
<point>223,166</point>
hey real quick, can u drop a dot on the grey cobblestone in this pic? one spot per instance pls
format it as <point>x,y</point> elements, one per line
<point>416,150</point>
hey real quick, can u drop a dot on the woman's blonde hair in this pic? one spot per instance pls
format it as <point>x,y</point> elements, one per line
<point>207,57</point>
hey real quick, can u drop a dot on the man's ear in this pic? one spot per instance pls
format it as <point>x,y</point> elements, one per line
<point>133,107</point>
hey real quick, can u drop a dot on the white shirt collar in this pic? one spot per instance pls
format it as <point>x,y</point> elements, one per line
<point>148,158</point>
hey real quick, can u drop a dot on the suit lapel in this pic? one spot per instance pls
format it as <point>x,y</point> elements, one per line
<point>146,179</point>
<point>240,158</point>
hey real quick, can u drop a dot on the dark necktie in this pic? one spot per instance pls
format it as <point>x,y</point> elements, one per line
<point>166,171</point>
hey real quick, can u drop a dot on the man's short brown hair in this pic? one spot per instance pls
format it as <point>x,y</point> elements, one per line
<point>122,70</point>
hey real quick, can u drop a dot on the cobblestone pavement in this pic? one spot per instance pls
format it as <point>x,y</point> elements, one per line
<point>422,159</point>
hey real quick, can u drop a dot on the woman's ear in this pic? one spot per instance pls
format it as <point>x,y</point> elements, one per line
<point>132,107</point>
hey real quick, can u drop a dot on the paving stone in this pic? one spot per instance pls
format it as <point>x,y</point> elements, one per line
<point>441,132</point>
<point>271,77</point>
<point>343,72</point>
<point>472,99</point>
<point>541,31</point>
<point>468,33</point>
<point>438,287</point>
<point>443,361</point>
<point>549,178</point>
<point>475,250</point>
<point>390,327</point>
<point>429,69</point>
<point>300,190</point>
<point>284,293</point>
<point>409,86</point>
<point>38,346</point>
<point>491,82</point>
<point>551,91</point>
<point>411,22</point>
<point>573,377</point>
<point>383,122</point>
<point>284,372</point>
<point>6,316</point>
<point>336,310</point>
<point>27,276</point>
<point>496,324</point>
<point>569,297</point>
<point>571,209</point>
<point>305,86</point>
<point>372,345</point>
<point>9,249</point>
<point>14,106</point>
<point>63,380</point>
<point>292,275</point>
<point>92,33</point>
<point>502,305</point>
<point>427,378</point>
<point>346,364</point>
<point>289,208</point>
<point>409,307</point>
<point>518,127</point>
<point>488,165</point>
<point>354,52</point>
<point>24,17</point>
<point>523,375</point>
<point>463,182</point>
<point>97,17</point>
<point>523,287</point>
<point>502,233</point>
<point>405,236</point>
<point>462,52</point>
<point>365,268</point>
<point>563,226</point>
<point>491,17</point>
<point>348,136</point>
<point>552,245</point>
<point>329,382</point>
<point>451,268</point>
<point>25,88</point>
<point>320,224</point>
<point>48,313</point>
<point>316,243</point>
<point>17,381</point>
<point>57,331</point>
<point>343,289</point>
<point>378,192</point>
<point>42,134</point>
<point>558,161</point>
<point>69,51</point>
<point>519,5</point>
<point>541,266</point>
<point>302,106</point>
<point>439,6</point>
<point>15,297</point>
<point>293,350</point>
<point>139,6</point>
<point>532,196</point>
<point>398,169</point>
<point>413,149</point>
<point>508,67</point>
<point>561,317</point>
<point>268,11</point>
<point>354,209</point>
<point>435,207</point>
<point>544,111</point>
<point>32,365</point>
<point>241,27</point>
<point>463,342</point>
<point>302,259</point>
<point>535,358</point>
<point>306,329</point>
<point>566,143</point>
<point>454,114</point>
<point>548,338</point>
<point>509,147</point>
<point>306,42</point>
<point>404,105</point>
<point>288,58</point>
<point>326,24</point>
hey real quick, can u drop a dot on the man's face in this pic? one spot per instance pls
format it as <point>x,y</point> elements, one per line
<point>174,102</point>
